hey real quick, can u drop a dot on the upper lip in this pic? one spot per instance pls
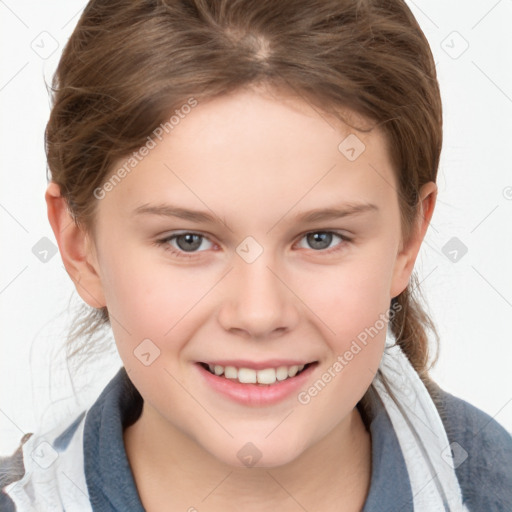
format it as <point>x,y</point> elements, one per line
<point>258,365</point>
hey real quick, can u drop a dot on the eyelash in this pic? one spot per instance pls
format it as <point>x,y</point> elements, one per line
<point>164,242</point>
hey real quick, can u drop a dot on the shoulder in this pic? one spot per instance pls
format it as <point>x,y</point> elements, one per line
<point>46,470</point>
<point>482,453</point>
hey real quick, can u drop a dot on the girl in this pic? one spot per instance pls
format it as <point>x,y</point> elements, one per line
<point>240,190</point>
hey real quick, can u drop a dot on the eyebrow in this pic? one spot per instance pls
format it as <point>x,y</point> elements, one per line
<point>167,210</point>
<point>320,214</point>
<point>345,210</point>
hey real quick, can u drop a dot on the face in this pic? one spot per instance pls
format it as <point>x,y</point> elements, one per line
<point>260,277</point>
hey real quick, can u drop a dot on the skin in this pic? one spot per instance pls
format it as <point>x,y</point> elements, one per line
<point>256,161</point>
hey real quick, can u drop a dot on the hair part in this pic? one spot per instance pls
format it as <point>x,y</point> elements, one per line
<point>129,64</point>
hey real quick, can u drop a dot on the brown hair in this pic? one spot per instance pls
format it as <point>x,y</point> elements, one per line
<point>130,63</point>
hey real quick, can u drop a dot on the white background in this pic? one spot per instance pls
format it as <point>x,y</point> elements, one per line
<point>470,299</point>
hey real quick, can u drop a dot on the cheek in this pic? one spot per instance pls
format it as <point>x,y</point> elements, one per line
<point>348,297</point>
<point>352,301</point>
<point>148,298</point>
<point>354,313</point>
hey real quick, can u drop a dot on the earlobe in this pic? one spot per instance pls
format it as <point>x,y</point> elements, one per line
<point>406,258</point>
<point>76,249</point>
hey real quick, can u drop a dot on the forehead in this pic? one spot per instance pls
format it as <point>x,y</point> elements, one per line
<point>259,152</point>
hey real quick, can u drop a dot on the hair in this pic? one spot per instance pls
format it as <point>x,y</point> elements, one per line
<point>130,63</point>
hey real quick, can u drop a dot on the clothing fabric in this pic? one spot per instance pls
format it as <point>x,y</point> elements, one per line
<point>83,466</point>
<point>427,452</point>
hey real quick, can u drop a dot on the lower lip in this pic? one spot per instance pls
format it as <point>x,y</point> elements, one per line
<point>256,394</point>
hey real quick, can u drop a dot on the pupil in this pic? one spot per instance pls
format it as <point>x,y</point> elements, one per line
<point>318,240</point>
<point>194,240</point>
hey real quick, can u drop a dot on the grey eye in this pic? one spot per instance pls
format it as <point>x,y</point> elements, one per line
<point>319,239</point>
<point>188,242</point>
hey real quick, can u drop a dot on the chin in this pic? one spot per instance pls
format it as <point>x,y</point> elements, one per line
<point>257,454</point>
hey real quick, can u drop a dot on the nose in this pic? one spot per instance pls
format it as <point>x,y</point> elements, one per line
<point>258,302</point>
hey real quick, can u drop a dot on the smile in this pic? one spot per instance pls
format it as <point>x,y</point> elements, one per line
<point>268,384</point>
<point>265,376</point>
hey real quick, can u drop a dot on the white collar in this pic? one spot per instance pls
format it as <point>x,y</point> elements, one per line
<point>420,432</point>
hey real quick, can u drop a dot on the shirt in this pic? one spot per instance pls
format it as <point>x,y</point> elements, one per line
<point>83,466</point>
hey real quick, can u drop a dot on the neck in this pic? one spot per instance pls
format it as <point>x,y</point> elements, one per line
<point>172,471</point>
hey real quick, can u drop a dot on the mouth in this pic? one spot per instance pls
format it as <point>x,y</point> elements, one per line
<point>269,376</point>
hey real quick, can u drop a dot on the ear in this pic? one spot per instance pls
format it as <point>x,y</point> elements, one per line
<point>76,249</point>
<point>406,258</point>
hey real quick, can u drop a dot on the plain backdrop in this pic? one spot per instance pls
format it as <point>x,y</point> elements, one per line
<point>464,265</point>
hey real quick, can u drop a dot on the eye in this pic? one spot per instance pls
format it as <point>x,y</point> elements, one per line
<point>182,243</point>
<point>321,240</point>
<point>187,244</point>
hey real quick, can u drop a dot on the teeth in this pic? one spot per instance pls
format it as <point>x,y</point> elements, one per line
<point>267,376</point>
<point>249,376</point>
<point>282,373</point>
<point>230,372</point>
<point>292,371</point>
